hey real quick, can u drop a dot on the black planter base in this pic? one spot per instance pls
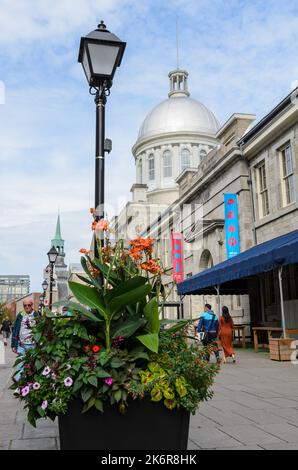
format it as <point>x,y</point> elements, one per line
<point>145,426</point>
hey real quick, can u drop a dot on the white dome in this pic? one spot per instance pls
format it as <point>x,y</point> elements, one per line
<point>179,114</point>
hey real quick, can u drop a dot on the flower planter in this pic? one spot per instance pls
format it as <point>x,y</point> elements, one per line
<point>280,349</point>
<point>145,426</point>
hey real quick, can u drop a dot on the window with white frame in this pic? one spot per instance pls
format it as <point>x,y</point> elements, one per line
<point>185,159</point>
<point>288,185</point>
<point>262,190</point>
<point>151,167</point>
<point>167,164</point>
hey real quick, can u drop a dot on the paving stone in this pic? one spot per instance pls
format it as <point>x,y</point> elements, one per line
<point>4,445</point>
<point>286,431</point>
<point>49,430</point>
<point>210,438</point>
<point>286,446</point>
<point>199,421</point>
<point>263,417</point>
<point>34,444</point>
<point>262,393</point>
<point>222,418</point>
<point>21,416</point>
<point>282,402</point>
<point>10,431</point>
<point>290,414</point>
<point>250,434</point>
<point>8,417</point>
<point>242,448</point>
<point>192,445</point>
<point>231,406</point>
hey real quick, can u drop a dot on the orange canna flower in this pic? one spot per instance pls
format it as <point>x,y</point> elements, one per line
<point>143,244</point>
<point>95,349</point>
<point>92,210</point>
<point>87,348</point>
<point>151,266</point>
<point>84,251</point>
<point>135,253</point>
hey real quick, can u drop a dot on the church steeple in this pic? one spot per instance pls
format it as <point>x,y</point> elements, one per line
<point>178,83</point>
<point>57,241</point>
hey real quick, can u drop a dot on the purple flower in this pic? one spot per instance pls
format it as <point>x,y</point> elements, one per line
<point>46,371</point>
<point>27,366</point>
<point>68,382</point>
<point>44,405</point>
<point>25,390</point>
<point>54,376</point>
<point>109,381</point>
<point>36,386</point>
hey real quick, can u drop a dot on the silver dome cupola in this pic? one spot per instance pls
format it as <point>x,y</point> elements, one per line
<point>178,83</point>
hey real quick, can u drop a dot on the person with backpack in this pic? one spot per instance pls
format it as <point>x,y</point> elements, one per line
<point>208,326</point>
<point>6,330</point>
<point>226,327</point>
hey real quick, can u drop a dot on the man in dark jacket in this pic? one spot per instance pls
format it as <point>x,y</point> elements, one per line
<point>208,323</point>
<point>22,339</point>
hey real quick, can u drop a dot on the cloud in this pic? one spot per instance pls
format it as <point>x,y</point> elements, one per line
<point>241,56</point>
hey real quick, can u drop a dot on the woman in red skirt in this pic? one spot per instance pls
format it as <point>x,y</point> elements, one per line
<point>226,327</point>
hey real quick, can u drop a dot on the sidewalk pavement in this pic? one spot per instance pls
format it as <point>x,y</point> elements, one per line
<point>15,432</point>
<point>255,406</point>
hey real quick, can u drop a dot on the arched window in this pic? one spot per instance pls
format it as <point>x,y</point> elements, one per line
<point>167,164</point>
<point>140,172</point>
<point>206,260</point>
<point>203,154</point>
<point>151,167</point>
<point>185,159</point>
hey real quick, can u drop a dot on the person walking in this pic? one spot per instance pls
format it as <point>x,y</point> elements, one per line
<point>226,327</point>
<point>208,325</point>
<point>6,330</point>
<point>22,339</point>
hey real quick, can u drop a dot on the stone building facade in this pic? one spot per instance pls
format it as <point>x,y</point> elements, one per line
<point>270,149</point>
<point>199,214</point>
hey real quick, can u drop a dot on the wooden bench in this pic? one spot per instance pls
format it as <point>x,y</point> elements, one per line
<point>269,330</point>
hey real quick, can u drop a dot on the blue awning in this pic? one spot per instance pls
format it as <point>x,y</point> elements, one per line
<point>233,273</point>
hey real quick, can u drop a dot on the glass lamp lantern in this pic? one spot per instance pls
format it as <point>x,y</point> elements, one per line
<point>100,54</point>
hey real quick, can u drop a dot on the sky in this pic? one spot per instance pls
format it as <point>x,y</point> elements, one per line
<point>241,57</point>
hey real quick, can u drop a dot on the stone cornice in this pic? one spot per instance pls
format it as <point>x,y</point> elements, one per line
<point>174,138</point>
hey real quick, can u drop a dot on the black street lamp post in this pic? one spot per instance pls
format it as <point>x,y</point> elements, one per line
<point>44,286</point>
<point>100,54</point>
<point>52,255</point>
